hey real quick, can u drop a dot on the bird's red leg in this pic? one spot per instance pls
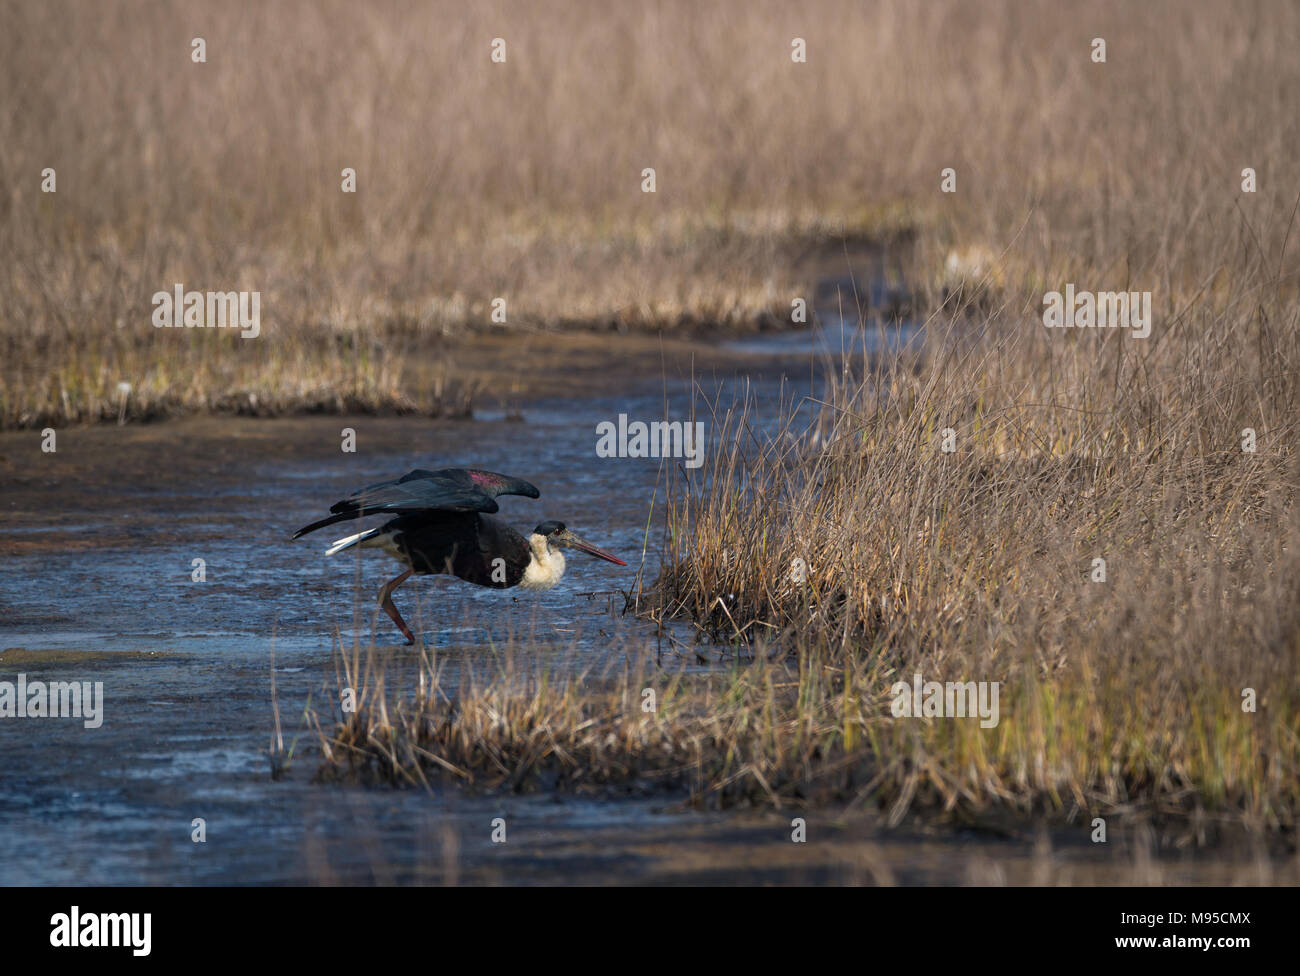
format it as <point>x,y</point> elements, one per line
<point>386,601</point>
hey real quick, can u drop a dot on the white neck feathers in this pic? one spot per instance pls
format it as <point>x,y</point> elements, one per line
<point>545,566</point>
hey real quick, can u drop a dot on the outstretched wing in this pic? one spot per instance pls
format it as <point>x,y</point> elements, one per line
<point>444,490</point>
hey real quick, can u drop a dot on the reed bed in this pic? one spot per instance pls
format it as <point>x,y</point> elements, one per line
<point>1091,520</point>
<point>522,180</point>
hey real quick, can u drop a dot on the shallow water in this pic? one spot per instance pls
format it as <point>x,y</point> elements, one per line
<point>96,586</point>
<point>834,336</point>
<point>105,595</point>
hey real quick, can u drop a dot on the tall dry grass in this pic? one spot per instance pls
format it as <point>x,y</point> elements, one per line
<point>857,545</point>
<point>521,179</point>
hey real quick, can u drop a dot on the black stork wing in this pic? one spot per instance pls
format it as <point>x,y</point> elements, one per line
<point>444,490</point>
<point>447,490</point>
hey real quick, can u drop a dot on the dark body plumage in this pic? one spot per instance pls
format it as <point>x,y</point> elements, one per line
<point>463,544</point>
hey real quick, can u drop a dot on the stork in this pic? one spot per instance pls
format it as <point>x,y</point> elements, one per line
<point>444,524</point>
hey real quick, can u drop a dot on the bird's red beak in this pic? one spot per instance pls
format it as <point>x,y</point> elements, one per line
<point>591,550</point>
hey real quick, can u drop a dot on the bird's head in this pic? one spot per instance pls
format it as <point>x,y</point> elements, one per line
<point>557,536</point>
